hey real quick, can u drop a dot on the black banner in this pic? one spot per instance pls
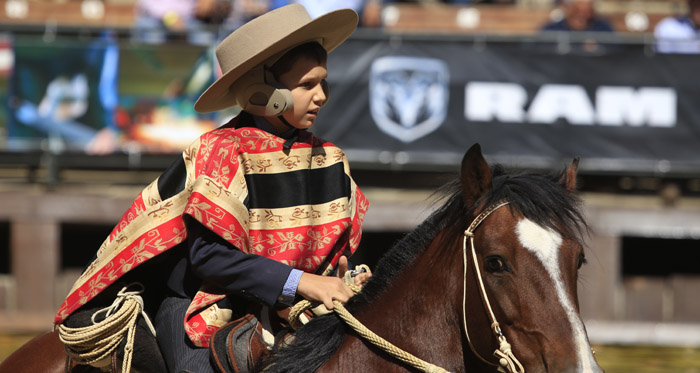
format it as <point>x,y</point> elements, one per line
<point>421,102</point>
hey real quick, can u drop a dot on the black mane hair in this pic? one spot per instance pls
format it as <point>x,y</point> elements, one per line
<point>538,197</point>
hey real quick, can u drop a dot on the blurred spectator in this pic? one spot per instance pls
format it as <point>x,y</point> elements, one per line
<point>579,15</point>
<point>245,10</point>
<point>680,34</point>
<point>198,19</point>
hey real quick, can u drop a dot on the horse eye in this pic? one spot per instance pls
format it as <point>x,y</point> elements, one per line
<point>495,264</point>
<point>581,261</point>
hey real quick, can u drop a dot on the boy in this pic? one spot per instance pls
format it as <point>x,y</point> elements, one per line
<point>256,211</point>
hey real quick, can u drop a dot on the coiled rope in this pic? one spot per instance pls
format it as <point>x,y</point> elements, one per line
<point>362,330</point>
<point>91,344</point>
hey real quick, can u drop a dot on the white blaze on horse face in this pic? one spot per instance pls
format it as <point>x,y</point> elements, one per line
<point>544,243</point>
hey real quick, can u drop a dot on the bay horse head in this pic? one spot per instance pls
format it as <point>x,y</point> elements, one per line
<point>489,278</point>
<point>528,251</point>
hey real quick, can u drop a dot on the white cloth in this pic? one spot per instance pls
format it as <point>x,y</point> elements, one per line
<point>184,9</point>
<point>677,35</point>
<point>320,7</point>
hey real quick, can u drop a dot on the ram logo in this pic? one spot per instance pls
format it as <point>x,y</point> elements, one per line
<point>408,95</point>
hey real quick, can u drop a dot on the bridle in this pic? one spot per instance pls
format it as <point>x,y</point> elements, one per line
<point>506,359</point>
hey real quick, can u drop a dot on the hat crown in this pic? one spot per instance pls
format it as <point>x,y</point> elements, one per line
<point>259,34</point>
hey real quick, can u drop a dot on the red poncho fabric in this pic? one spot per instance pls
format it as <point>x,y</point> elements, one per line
<point>297,205</point>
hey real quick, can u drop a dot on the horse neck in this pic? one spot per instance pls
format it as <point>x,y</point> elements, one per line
<point>421,305</point>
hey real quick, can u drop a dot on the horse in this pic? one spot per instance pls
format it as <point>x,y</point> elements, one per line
<point>497,262</point>
<point>487,282</point>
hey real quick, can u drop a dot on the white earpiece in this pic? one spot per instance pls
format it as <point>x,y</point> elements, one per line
<point>266,100</point>
<point>256,96</point>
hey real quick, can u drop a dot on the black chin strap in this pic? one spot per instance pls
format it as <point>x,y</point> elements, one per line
<point>280,117</point>
<point>295,134</point>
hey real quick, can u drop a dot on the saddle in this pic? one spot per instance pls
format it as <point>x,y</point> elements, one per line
<point>242,345</point>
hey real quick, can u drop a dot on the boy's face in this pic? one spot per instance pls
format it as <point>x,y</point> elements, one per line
<point>305,80</point>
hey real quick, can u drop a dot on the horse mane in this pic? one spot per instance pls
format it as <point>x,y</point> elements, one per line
<point>535,196</point>
<point>541,198</point>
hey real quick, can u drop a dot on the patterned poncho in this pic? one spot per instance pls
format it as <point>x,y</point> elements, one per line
<point>297,205</point>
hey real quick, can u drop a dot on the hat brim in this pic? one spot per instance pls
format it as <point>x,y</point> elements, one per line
<point>330,30</point>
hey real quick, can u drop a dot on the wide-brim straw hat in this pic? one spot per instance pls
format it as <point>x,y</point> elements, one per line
<point>266,36</point>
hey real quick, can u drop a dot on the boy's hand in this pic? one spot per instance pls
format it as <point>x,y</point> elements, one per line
<point>324,289</point>
<point>342,267</point>
<point>360,278</point>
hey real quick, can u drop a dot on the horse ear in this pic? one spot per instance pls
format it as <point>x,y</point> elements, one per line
<point>568,178</point>
<point>475,175</point>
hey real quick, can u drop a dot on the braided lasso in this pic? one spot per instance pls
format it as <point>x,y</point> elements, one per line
<point>91,344</point>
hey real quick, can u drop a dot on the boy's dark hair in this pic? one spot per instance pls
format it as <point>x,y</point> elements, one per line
<point>312,50</point>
